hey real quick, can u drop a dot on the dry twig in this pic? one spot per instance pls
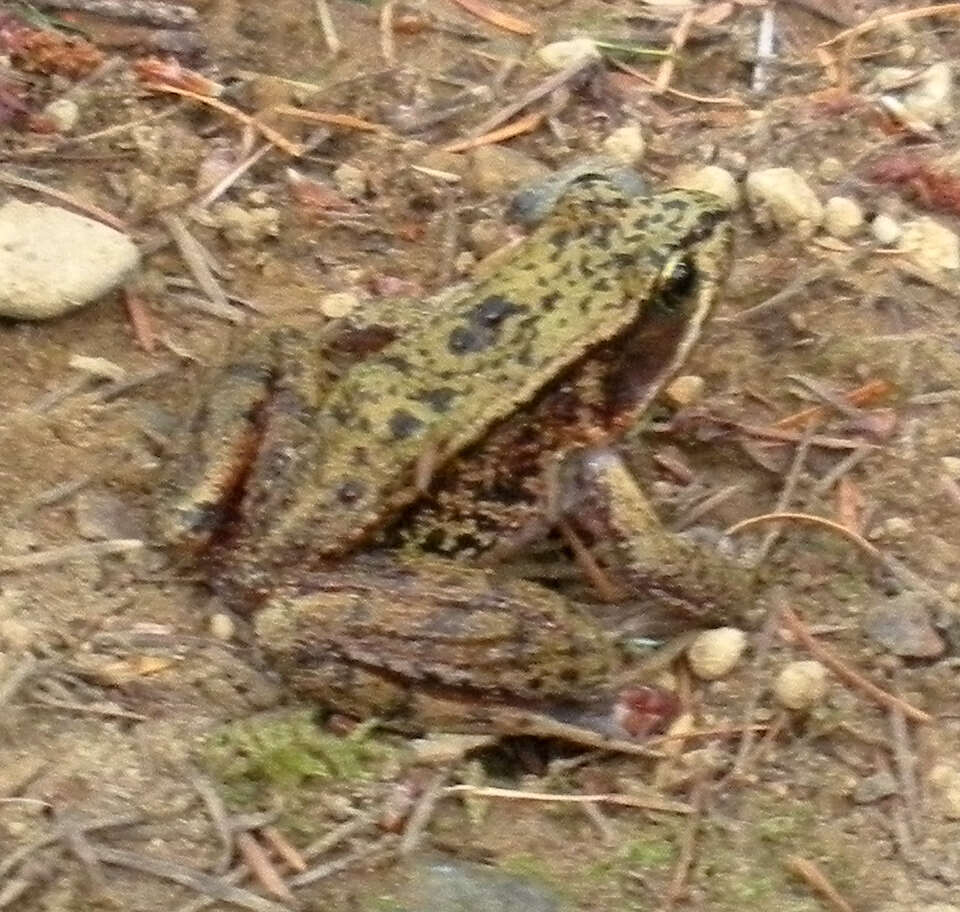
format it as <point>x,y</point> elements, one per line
<point>95,212</point>
<point>815,878</point>
<point>807,518</point>
<point>649,803</point>
<point>487,13</point>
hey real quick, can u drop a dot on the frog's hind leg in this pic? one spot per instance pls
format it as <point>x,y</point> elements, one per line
<point>265,395</point>
<point>600,496</point>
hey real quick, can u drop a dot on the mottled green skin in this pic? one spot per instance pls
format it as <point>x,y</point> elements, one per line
<point>588,275</point>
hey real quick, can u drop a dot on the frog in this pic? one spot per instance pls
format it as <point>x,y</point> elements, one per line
<point>354,508</point>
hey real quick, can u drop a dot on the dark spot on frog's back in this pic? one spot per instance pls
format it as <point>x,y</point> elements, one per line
<point>438,399</point>
<point>403,424</point>
<point>481,327</point>
<point>350,492</point>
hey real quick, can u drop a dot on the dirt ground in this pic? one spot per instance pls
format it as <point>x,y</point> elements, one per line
<point>133,704</point>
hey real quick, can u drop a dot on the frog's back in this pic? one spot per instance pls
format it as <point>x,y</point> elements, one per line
<point>577,282</point>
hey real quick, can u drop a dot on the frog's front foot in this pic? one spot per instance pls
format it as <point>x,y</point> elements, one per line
<point>599,497</point>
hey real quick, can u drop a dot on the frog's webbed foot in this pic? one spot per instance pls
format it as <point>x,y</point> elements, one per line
<point>259,406</point>
<point>599,496</point>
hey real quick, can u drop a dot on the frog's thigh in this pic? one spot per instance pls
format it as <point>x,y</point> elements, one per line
<point>268,380</point>
<point>603,498</point>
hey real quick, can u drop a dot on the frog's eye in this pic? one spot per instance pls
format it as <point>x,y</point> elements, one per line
<point>677,280</point>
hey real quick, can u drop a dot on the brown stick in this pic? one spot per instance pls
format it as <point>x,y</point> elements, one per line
<point>150,12</point>
<point>812,875</point>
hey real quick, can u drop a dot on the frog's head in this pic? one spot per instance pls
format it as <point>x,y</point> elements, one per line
<point>681,247</point>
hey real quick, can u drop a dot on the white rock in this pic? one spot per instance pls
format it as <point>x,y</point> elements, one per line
<point>930,244</point>
<point>561,54</point>
<point>685,390</point>
<point>781,197</point>
<point>338,304</point>
<point>886,230</point>
<point>931,99</point>
<point>801,685</point>
<point>64,113</point>
<point>842,217</point>
<point>714,653</point>
<point>710,179</point>
<point>222,626</point>
<point>53,261</point>
<point>625,144</point>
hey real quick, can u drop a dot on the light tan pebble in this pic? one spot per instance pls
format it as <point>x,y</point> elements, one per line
<point>945,778</point>
<point>886,230</point>
<point>561,54</point>
<point>464,263</point>
<point>487,235</point>
<point>685,390</point>
<point>842,217</point>
<point>710,179</point>
<point>351,181</point>
<point>497,169</point>
<point>625,145</point>
<point>830,169</point>
<point>222,626</point>
<point>781,197</point>
<point>714,653</point>
<point>258,198</point>
<point>64,112</point>
<point>951,465</point>
<point>930,244</point>
<point>338,304</point>
<point>931,99</point>
<point>801,685</point>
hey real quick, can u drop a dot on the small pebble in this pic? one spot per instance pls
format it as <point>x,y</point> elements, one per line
<point>100,515</point>
<point>351,181</point>
<point>258,198</point>
<point>930,244</point>
<point>560,54</point>
<point>338,304</point>
<point>902,626</point>
<point>710,179</point>
<point>625,145</point>
<point>494,169</point>
<point>842,217</point>
<point>245,226</point>
<point>781,197</point>
<point>801,685</point>
<point>873,788</point>
<point>945,777</point>
<point>951,465</point>
<point>222,626</point>
<point>64,112</point>
<point>931,99</point>
<point>714,653</point>
<point>886,230</point>
<point>685,390</point>
<point>830,170</point>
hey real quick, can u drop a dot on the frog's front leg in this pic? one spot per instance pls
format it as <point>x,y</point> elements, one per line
<point>255,417</point>
<point>599,496</point>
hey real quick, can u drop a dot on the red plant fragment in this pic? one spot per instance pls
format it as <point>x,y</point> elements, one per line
<point>45,51</point>
<point>932,187</point>
<point>153,70</point>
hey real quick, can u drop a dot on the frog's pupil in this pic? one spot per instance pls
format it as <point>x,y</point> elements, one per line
<point>680,281</point>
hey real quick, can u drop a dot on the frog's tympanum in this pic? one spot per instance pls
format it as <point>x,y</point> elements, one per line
<point>354,508</point>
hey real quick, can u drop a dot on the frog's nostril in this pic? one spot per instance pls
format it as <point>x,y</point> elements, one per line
<point>350,492</point>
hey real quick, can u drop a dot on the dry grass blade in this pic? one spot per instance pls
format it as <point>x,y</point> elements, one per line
<point>526,124</point>
<point>188,877</point>
<point>388,46</point>
<point>13,563</point>
<point>807,518</point>
<point>150,12</point>
<point>95,212</point>
<point>500,19</point>
<point>729,100</point>
<point>328,117</point>
<point>649,803</point>
<point>851,34</point>
<point>334,44</point>
<point>379,849</point>
<point>677,40</point>
<point>845,673</point>
<point>812,875</point>
<point>197,261</point>
<point>422,812</point>
<point>283,848</point>
<point>268,133</point>
<point>688,844</point>
<point>870,392</point>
